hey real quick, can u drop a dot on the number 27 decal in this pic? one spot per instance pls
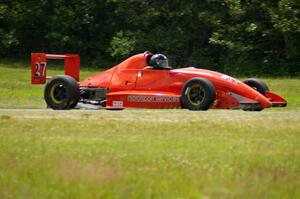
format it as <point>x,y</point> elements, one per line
<point>40,69</point>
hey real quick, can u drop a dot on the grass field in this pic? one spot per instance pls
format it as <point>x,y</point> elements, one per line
<point>145,153</point>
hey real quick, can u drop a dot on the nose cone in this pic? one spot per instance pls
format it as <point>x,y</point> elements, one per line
<point>253,94</point>
<point>265,102</point>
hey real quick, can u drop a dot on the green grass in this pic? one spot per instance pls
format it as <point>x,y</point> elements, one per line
<point>149,154</point>
<point>145,153</point>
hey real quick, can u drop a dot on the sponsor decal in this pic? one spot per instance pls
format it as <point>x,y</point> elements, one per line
<point>117,104</point>
<point>147,98</point>
<point>228,78</point>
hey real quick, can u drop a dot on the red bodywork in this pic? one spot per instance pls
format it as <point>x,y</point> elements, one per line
<point>131,84</point>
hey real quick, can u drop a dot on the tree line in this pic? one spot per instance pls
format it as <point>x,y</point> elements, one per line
<point>243,37</point>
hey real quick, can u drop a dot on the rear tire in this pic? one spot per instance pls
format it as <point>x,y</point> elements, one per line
<point>198,94</point>
<point>62,92</point>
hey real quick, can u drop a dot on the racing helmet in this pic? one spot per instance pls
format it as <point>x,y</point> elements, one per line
<point>159,61</point>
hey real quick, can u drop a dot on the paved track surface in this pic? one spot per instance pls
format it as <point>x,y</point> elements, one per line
<point>151,115</point>
<point>80,106</point>
<point>23,110</point>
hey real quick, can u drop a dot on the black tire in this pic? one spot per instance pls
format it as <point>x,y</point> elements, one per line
<point>62,92</point>
<point>198,94</point>
<point>74,104</point>
<point>258,85</point>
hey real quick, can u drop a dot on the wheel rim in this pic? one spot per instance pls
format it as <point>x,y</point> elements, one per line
<point>58,93</point>
<point>195,94</point>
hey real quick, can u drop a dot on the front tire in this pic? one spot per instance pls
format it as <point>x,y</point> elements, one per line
<point>62,92</point>
<point>198,94</point>
<point>260,87</point>
<point>257,84</point>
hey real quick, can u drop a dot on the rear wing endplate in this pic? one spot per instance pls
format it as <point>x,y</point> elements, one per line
<point>39,66</point>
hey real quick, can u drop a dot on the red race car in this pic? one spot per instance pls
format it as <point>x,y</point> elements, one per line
<point>147,81</point>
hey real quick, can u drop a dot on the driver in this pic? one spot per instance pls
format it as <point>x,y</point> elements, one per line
<point>159,61</point>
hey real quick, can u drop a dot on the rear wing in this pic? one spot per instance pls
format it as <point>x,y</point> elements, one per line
<point>39,66</point>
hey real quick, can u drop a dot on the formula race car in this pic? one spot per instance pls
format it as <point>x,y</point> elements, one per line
<point>147,81</point>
